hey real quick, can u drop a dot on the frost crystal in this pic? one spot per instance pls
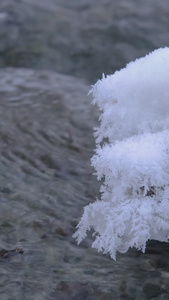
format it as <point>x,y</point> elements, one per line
<point>132,157</point>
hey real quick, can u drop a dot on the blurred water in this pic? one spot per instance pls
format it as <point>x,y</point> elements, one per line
<point>81,38</point>
<point>46,131</point>
<point>45,180</point>
<point>45,175</point>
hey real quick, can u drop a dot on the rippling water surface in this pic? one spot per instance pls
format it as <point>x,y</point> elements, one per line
<point>45,175</point>
<point>45,180</point>
<point>46,142</point>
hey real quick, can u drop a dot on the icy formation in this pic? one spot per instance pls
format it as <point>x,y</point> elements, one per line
<point>132,157</point>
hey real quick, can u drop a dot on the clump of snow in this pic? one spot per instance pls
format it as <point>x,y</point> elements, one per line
<point>132,157</point>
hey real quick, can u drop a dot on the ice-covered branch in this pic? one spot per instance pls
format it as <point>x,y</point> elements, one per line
<point>132,157</point>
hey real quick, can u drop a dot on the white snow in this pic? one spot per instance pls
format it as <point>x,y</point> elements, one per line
<point>132,157</point>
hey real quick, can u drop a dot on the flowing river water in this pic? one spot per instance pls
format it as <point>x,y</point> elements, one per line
<point>46,142</point>
<point>46,123</point>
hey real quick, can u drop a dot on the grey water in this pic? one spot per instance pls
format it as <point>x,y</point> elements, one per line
<point>50,54</point>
